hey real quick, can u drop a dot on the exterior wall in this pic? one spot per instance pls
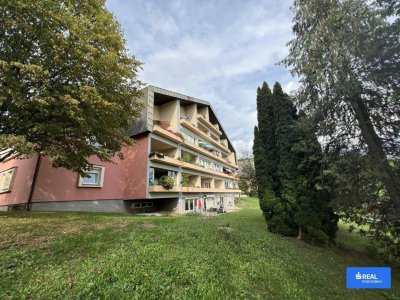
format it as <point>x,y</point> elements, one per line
<point>169,112</point>
<point>22,180</point>
<point>89,205</point>
<point>204,112</point>
<point>191,113</point>
<point>156,113</point>
<point>62,185</point>
<point>137,168</point>
<point>57,188</point>
<point>126,179</point>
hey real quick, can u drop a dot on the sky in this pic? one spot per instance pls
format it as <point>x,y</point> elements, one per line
<point>219,51</point>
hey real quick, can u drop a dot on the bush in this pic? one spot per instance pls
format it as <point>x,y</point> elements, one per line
<point>166,182</point>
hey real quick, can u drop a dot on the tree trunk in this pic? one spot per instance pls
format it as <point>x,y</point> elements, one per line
<point>300,235</point>
<point>376,152</point>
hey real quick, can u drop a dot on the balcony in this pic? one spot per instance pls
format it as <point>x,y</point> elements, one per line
<point>179,163</point>
<point>169,134</point>
<point>190,126</point>
<point>161,189</point>
<point>209,124</point>
<point>177,189</point>
<point>166,160</point>
<point>208,190</point>
<point>209,154</point>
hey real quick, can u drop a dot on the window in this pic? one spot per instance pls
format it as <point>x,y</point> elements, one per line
<point>189,205</point>
<point>204,163</point>
<point>142,205</point>
<point>93,178</point>
<point>190,138</point>
<point>228,184</point>
<point>217,167</point>
<point>217,152</point>
<point>206,184</point>
<point>151,176</point>
<point>6,178</point>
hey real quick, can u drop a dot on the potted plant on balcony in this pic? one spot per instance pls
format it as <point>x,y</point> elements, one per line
<point>167,182</point>
<point>186,157</point>
<point>155,153</point>
<point>185,180</point>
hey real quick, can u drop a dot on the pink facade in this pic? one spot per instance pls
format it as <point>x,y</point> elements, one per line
<point>22,180</point>
<point>124,180</point>
<point>136,169</point>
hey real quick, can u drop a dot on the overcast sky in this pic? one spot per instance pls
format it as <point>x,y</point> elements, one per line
<point>219,51</point>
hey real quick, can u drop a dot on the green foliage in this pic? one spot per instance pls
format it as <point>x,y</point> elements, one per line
<point>248,180</point>
<point>68,87</point>
<point>264,147</point>
<point>185,180</point>
<point>166,182</point>
<point>57,255</point>
<point>293,199</point>
<point>186,157</point>
<point>361,199</point>
<point>346,56</point>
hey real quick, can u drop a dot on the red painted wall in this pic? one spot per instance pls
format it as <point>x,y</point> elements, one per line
<point>126,179</point>
<point>136,169</point>
<point>62,185</point>
<point>22,181</point>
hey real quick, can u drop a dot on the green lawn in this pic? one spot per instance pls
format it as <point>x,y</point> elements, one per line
<point>121,256</point>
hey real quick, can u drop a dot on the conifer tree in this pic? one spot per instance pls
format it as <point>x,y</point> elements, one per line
<point>287,158</point>
<point>264,145</point>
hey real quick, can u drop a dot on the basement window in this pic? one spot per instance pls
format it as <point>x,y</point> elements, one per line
<point>93,178</point>
<point>142,205</point>
<point>6,178</point>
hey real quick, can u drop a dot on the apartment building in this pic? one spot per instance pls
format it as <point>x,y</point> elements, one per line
<point>182,161</point>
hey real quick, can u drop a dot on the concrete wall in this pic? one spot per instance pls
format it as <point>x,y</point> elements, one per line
<point>156,112</point>
<point>204,112</point>
<point>191,113</point>
<point>169,113</point>
<point>92,206</point>
<point>22,180</point>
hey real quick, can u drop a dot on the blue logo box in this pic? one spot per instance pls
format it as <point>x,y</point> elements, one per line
<point>368,278</point>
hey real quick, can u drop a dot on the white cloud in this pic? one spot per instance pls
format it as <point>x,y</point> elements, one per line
<point>217,51</point>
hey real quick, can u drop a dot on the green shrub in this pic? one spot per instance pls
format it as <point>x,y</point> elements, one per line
<point>185,180</point>
<point>166,182</point>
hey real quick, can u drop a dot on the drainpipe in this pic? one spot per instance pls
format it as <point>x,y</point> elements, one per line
<point>29,203</point>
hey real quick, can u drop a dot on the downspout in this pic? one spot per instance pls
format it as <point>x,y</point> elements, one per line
<point>29,203</point>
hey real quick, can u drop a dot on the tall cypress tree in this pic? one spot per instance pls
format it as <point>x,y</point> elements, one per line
<point>264,146</point>
<point>287,158</point>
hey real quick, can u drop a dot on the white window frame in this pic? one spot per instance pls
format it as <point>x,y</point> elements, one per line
<point>99,169</point>
<point>9,175</point>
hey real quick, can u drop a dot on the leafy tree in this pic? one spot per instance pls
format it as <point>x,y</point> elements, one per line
<point>248,180</point>
<point>68,86</point>
<point>346,54</point>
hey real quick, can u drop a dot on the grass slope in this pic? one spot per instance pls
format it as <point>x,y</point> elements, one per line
<point>120,256</point>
